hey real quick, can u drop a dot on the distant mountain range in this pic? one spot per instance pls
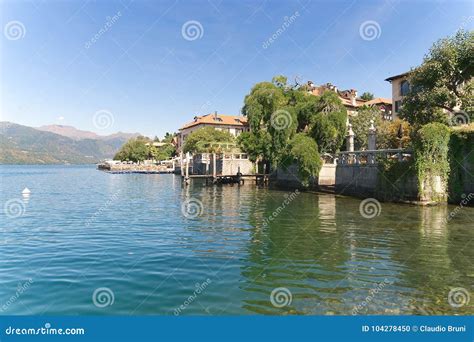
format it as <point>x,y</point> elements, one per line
<point>56,144</point>
<point>77,134</point>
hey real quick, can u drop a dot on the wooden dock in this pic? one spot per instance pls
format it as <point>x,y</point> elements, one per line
<point>228,179</point>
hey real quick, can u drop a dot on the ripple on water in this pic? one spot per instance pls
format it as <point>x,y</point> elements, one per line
<point>83,230</point>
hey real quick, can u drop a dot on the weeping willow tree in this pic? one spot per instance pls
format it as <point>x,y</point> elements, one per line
<point>289,125</point>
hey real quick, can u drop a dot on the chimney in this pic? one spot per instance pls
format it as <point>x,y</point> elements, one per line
<point>215,114</point>
<point>353,97</point>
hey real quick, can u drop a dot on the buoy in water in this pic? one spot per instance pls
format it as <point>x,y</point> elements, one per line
<point>26,192</point>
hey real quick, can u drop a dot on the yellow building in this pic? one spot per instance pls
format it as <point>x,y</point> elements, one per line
<point>400,88</point>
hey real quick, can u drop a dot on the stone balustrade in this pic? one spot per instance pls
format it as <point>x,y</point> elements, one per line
<point>372,156</point>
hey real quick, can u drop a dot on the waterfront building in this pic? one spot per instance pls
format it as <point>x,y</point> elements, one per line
<point>234,124</point>
<point>351,101</point>
<point>400,88</point>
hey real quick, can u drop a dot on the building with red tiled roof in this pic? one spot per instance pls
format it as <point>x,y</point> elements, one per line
<point>234,124</point>
<point>351,101</point>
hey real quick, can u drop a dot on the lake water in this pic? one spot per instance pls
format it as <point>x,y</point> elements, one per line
<point>88,242</point>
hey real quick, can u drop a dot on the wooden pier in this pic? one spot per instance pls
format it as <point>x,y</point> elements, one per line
<point>228,179</point>
<point>211,176</point>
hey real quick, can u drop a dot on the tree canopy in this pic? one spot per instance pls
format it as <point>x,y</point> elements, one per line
<point>283,118</point>
<point>443,84</point>
<point>304,151</point>
<point>367,96</point>
<point>200,141</point>
<point>328,122</point>
<point>361,124</point>
<point>133,150</point>
<point>142,148</point>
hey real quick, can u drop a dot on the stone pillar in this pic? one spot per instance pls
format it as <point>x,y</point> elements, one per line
<point>371,143</point>
<point>350,139</point>
<point>214,167</point>
<point>372,140</point>
<point>187,164</point>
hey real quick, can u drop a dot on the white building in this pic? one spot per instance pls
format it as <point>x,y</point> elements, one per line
<point>230,123</point>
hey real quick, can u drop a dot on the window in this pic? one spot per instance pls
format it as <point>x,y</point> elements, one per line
<point>404,88</point>
<point>397,106</point>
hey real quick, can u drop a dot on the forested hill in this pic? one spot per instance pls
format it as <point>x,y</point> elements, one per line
<point>26,145</point>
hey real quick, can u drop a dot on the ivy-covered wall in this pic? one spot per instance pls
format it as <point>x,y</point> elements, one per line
<point>431,148</point>
<point>461,163</point>
<point>397,181</point>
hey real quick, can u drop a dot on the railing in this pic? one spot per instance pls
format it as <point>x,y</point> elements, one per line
<point>372,156</point>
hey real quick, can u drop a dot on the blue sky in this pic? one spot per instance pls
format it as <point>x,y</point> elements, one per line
<point>147,78</point>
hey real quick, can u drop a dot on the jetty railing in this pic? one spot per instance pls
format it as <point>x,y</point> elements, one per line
<point>372,156</point>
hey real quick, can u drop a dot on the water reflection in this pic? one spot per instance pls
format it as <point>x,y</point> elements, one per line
<point>319,247</point>
<point>332,259</point>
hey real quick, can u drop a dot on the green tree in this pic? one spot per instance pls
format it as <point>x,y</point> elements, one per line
<point>168,138</point>
<point>361,124</point>
<point>303,150</point>
<point>257,144</point>
<point>328,124</point>
<point>270,123</point>
<point>280,81</point>
<point>306,107</point>
<point>134,150</point>
<point>367,96</point>
<point>277,112</point>
<point>390,135</point>
<point>443,83</point>
<point>200,141</point>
